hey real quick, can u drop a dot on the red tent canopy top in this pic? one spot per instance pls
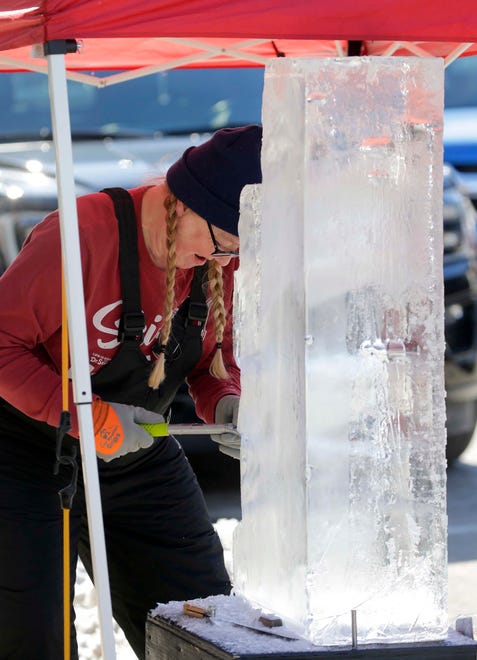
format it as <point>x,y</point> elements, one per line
<point>126,34</point>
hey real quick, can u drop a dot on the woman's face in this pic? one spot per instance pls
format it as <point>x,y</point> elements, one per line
<point>194,244</point>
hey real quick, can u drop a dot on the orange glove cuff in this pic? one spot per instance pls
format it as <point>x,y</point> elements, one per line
<point>108,430</point>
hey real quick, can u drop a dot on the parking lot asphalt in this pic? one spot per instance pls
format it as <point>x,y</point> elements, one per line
<point>462,512</point>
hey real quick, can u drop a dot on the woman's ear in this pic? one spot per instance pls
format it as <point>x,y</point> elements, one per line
<point>181,208</point>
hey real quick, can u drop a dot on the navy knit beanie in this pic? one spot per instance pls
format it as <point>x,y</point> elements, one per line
<point>209,178</point>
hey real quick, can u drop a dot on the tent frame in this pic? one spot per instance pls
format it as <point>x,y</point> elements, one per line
<point>206,52</point>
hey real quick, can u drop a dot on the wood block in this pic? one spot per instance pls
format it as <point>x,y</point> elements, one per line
<point>270,620</point>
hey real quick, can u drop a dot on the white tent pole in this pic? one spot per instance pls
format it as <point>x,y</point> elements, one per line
<point>78,343</point>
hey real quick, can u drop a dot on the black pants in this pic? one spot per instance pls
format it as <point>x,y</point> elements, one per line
<point>160,542</point>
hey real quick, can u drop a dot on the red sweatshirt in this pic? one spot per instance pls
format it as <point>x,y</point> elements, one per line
<point>30,313</point>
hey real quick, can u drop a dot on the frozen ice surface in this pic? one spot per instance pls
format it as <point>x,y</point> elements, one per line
<point>340,339</point>
<point>233,638</point>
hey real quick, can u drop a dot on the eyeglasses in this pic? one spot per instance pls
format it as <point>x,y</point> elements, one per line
<point>217,251</point>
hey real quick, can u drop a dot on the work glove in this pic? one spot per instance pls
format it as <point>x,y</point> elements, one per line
<point>117,431</point>
<point>226,412</point>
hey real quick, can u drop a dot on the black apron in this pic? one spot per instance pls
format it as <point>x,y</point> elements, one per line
<point>125,378</point>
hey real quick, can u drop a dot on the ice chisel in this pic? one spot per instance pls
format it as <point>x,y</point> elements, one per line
<point>258,629</point>
<point>161,430</point>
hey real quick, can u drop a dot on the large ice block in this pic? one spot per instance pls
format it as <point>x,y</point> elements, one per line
<point>340,338</point>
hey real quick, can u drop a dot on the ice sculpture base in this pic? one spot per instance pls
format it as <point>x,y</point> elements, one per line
<point>171,635</point>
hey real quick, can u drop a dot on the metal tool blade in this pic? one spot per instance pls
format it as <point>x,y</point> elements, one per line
<point>256,628</point>
<point>200,429</point>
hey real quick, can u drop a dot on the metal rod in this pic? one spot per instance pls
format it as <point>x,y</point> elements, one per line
<point>354,630</point>
<point>78,343</point>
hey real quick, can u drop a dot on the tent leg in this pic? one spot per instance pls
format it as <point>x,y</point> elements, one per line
<point>78,343</point>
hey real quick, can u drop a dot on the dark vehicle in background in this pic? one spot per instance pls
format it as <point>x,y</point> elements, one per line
<point>127,134</point>
<point>460,151</point>
<point>460,121</point>
<point>460,287</point>
<point>123,135</point>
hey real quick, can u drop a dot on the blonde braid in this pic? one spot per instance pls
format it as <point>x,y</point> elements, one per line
<point>217,366</point>
<point>158,372</point>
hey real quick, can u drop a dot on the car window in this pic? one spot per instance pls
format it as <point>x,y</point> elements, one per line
<point>174,103</point>
<point>461,83</point>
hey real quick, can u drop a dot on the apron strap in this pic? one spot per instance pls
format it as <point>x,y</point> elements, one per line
<point>198,308</point>
<point>132,322</point>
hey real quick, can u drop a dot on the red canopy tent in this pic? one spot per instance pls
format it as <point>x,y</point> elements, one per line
<point>124,34</point>
<point>23,22</point>
<point>151,35</point>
